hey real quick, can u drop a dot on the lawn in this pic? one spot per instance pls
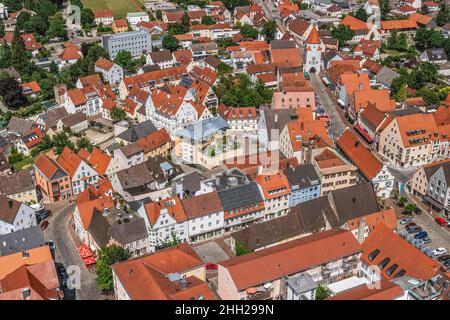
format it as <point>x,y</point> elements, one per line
<point>120,7</point>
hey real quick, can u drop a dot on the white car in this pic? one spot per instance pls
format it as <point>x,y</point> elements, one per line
<point>439,251</point>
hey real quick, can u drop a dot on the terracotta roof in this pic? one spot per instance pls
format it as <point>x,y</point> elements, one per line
<point>46,166</point>
<point>442,116</point>
<point>289,57</point>
<point>90,202</point>
<point>407,8</point>
<point>274,185</point>
<point>372,66</point>
<point>146,277</point>
<point>154,140</point>
<point>373,115</point>
<point>90,80</point>
<point>368,47</point>
<point>415,263</point>
<point>70,52</point>
<point>299,26</point>
<point>336,70</point>
<point>99,161</point>
<point>386,291</point>
<point>33,86</point>
<point>378,98</point>
<point>120,23</point>
<point>240,113</point>
<point>184,37</point>
<point>76,96</point>
<point>103,13</point>
<point>398,24</point>
<point>173,206</point>
<point>362,157</point>
<point>69,161</point>
<point>266,265</point>
<point>104,64</point>
<point>205,74</point>
<point>313,37</point>
<point>418,122</point>
<point>416,101</point>
<point>388,217</point>
<point>328,159</point>
<point>157,76</point>
<point>30,42</point>
<point>183,57</point>
<point>355,81</point>
<point>202,205</point>
<point>354,23</point>
<point>12,262</point>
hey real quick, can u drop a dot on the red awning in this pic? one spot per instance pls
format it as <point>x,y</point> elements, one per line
<point>251,290</point>
<point>89,261</point>
<point>85,254</point>
<point>84,248</point>
<point>363,133</point>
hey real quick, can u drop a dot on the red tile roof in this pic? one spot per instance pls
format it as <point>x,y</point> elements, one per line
<point>173,206</point>
<point>46,166</point>
<point>104,64</point>
<point>385,291</point>
<point>270,264</point>
<point>398,24</point>
<point>415,263</point>
<point>362,157</point>
<point>154,140</point>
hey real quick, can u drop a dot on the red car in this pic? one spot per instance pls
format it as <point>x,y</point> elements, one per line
<point>211,266</point>
<point>44,224</point>
<point>441,222</point>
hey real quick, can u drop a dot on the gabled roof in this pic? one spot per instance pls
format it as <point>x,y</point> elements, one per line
<point>270,264</point>
<point>380,99</point>
<point>99,161</point>
<point>390,246</point>
<point>104,64</point>
<point>385,291</point>
<point>69,161</point>
<point>172,205</point>
<point>8,209</point>
<point>313,37</point>
<point>398,24</point>
<point>154,140</point>
<point>153,277</point>
<point>362,157</point>
<point>240,196</point>
<point>48,167</point>
<point>201,205</point>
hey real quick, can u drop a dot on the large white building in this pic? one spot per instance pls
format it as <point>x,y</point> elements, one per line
<point>15,215</point>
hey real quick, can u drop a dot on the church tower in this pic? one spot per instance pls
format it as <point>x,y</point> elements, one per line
<point>313,52</point>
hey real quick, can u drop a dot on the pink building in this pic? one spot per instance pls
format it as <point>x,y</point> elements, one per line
<point>294,98</point>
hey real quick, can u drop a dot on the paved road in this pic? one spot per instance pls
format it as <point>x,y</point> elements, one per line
<point>66,252</point>
<point>337,125</point>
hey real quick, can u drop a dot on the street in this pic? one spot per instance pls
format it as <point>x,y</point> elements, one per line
<point>66,251</point>
<point>337,125</point>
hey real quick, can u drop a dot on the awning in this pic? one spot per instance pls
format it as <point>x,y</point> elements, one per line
<point>326,80</point>
<point>363,133</point>
<point>433,202</point>
<point>89,261</point>
<point>341,102</point>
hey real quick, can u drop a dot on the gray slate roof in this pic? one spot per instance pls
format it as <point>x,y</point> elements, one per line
<point>302,175</point>
<point>138,131</point>
<point>25,239</point>
<point>17,182</point>
<point>51,117</point>
<point>386,76</point>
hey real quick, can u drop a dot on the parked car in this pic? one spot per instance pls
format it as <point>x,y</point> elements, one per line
<point>421,235</point>
<point>441,222</point>
<point>413,229</point>
<point>44,224</point>
<point>447,263</point>
<point>426,240</point>
<point>211,266</point>
<point>444,258</point>
<point>405,221</point>
<point>439,251</point>
<point>418,211</point>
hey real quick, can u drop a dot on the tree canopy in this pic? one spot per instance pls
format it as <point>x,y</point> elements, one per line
<point>249,31</point>
<point>240,90</point>
<point>342,34</point>
<point>105,259</point>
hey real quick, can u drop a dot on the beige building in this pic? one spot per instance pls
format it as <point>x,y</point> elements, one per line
<point>414,140</point>
<point>421,177</point>
<point>19,186</point>
<point>334,171</point>
<point>274,273</point>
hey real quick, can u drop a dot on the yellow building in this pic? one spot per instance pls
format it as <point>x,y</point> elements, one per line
<point>120,25</point>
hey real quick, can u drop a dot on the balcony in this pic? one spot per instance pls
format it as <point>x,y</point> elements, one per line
<point>261,295</point>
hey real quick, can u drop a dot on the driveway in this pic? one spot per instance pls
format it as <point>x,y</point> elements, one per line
<point>66,251</point>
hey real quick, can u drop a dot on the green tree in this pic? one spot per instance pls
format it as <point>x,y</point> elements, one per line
<point>269,30</point>
<point>208,20</point>
<point>342,34</point>
<point>170,42</point>
<point>45,8</point>
<point>224,69</point>
<point>61,140</point>
<point>385,8</point>
<point>443,15</point>
<point>105,259</point>
<point>57,27</point>
<point>185,20</point>
<point>37,25</point>
<point>85,143</point>
<point>15,156</point>
<point>361,14</point>
<point>159,15</point>
<point>231,4</point>
<point>118,114</point>
<point>87,18</point>
<point>322,293</point>
<point>5,56</point>
<point>125,60</point>
<point>11,93</point>
<point>2,29</point>
<point>240,249</point>
<point>410,208</point>
<point>402,201</point>
<point>248,31</point>
<point>430,96</point>
<point>178,28</point>
<point>225,42</point>
<point>22,19</point>
<point>19,58</point>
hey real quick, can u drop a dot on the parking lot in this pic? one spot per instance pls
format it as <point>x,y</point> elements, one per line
<point>439,237</point>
